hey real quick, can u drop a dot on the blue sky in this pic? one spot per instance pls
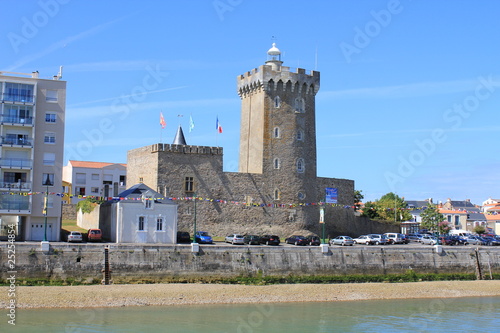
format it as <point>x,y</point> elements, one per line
<point>409,96</point>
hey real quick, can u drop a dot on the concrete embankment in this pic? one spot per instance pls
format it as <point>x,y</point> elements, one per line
<point>157,262</point>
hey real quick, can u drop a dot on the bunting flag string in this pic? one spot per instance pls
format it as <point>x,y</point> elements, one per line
<point>222,201</point>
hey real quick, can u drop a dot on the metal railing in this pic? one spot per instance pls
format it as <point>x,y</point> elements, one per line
<point>22,98</point>
<point>16,185</point>
<point>19,163</point>
<point>16,141</point>
<point>17,120</point>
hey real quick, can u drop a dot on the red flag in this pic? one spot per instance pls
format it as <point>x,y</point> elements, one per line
<point>218,125</point>
<point>162,121</point>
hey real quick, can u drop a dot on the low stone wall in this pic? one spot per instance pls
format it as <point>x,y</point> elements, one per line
<point>69,211</point>
<point>132,262</point>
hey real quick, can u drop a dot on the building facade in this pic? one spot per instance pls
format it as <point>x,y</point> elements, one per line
<point>32,137</point>
<point>276,189</point>
<point>98,179</point>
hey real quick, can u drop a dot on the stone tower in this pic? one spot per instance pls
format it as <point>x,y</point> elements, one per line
<point>278,135</point>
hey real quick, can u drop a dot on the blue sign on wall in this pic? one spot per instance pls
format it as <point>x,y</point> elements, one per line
<point>330,195</point>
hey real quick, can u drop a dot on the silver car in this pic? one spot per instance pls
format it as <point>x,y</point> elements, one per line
<point>342,240</point>
<point>379,239</point>
<point>428,240</point>
<point>235,239</point>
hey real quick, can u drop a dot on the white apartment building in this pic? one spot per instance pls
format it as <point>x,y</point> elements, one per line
<point>32,112</point>
<point>98,179</point>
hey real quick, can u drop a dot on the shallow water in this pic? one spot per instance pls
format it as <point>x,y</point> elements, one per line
<point>415,315</point>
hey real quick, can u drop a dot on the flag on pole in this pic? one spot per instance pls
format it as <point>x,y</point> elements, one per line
<point>218,126</point>
<point>162,121</point>
<point>191,123</point>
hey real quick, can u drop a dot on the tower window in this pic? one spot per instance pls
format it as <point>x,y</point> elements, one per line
<point>276,194</point>
<point>299,105</point>
<point>276,163</point>
<point>276,132</point>
<point>189,184</point>
<point>300,165</point>
<point>277,102</point>
<point>300,135</point>
<point>301,196</point>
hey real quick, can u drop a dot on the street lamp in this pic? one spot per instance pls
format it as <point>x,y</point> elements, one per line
<point>194,236</point>
<point>47,182</point>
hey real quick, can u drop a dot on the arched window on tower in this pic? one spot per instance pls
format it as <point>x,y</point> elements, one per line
<point>300,135</point>
<point>277,102</point>
<point>300,165</point>
<point>299,105</point>
<point>276,194</point>
<point>276,132</point>
<point>277,163</point>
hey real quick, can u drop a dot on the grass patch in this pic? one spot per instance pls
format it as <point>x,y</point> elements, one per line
<point>70,225</point>
<point>259,279</point>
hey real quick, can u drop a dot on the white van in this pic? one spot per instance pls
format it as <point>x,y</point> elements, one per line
<point>394,238</point>
<point>462,233</point>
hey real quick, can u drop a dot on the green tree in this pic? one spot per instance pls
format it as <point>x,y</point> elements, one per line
<point>391,207</point>
<point>358,197</point>
<point>431,217</point>
<point>479,229</point>
<point>370,210</point>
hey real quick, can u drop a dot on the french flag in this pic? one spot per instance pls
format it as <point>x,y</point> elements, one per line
<point>218,125</point>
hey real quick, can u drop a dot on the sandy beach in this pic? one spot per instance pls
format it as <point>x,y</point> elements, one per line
<point>184,294</point>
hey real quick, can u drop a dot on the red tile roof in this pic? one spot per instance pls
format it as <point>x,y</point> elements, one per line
<point>93,165</point>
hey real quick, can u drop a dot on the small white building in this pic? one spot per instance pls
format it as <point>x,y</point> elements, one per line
<point>141,215</point>
<point>98,179</point>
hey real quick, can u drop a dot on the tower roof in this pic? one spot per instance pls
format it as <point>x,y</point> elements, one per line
<point>179,137</point>
<point>274,51</point>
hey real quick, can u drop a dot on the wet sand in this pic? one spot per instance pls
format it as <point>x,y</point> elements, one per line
<point>184,294</point>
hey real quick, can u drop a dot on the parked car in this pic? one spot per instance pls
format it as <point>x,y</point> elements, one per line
<point>270,240</point>
<point>183,237</point>
<point>415,237</point>
<point>203,237</point>
<point>297,240</point>
<point>406,240</point>
<point>491,241</point>
<point>364,239</point>
<point>94,235</point>
<point>429,240</point>
<point>447,240</point>
<point>342,240</point>
<point>313,240</point>
<point>251,240</point>
<point>379,239</point>
<point>474,240</point>
<point>75,236</point>
<point>394,238</point>
<point>235,239</point>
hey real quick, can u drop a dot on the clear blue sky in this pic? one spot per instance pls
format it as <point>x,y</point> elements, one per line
<point>409,99</point>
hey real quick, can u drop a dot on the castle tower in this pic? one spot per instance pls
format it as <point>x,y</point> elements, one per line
<point>278,131</point>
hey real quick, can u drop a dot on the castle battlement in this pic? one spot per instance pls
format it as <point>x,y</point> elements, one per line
<point>186,149</point>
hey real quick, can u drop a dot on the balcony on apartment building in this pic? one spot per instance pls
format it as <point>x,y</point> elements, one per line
<point>16,140</point>
<point>15,186</point>
<point>23,97</point>
<point>16,163</point>
<point>16,120</point>
<point>12,203</point>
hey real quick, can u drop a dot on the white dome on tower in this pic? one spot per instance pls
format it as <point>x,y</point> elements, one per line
<point>274,51</point>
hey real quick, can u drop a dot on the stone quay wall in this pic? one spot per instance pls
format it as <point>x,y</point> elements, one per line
<point>133,262</point>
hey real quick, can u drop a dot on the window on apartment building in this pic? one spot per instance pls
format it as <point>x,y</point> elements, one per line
<point>79,190</point>
<point>95,176</point>
<point>48,179</point>
<point>49,159</point>
<point>140,224</point>
<point>148,202</point>
<point>51,96</point>
<point>50,117</point>
<point>80,178</point>
<point>94,190</point>
<point>50,137</point>
<point>457,220</point>
<point>122,180</point>
<point>189,184</point>
<point>159,224</point>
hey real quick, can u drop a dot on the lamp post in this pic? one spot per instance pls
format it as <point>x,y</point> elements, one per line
<point>322,222</point>
<point>194,232</point>
<point>47,182</point>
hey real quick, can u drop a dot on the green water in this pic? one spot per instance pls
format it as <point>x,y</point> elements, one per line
<point>422,315</point>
